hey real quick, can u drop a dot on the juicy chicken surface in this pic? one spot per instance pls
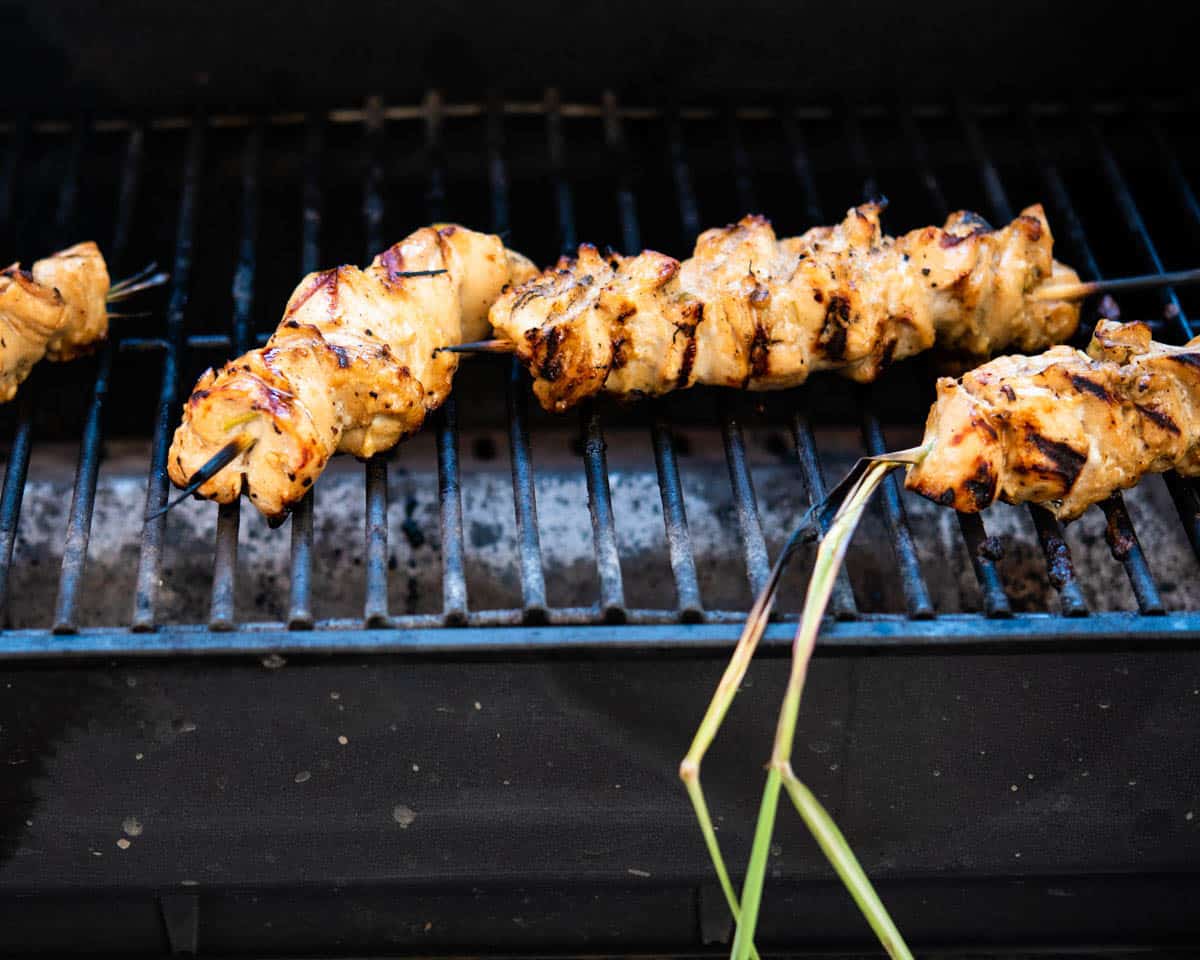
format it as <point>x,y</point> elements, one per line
<point>1064,429</point>
<point>59,310</point>
<point>351,366</point>
<point>751,311</point>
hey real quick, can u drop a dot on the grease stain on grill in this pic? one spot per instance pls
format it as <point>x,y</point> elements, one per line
<point>404,816</point>
<point>1121,540</point>
<point>410,527</point>
<point>1059,566</point>
<point>990,548</point>
<point>485,534</point>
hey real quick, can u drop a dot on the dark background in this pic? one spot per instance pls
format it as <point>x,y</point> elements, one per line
<point>124,52</point>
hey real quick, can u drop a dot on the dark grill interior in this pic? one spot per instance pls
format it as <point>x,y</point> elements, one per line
<point>239,206</point>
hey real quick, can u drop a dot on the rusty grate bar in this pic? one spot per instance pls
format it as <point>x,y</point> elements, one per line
<point>300,613</point>
<point>221,610</point>
<point>454,579</point>
<point>1049,531</point>
<point>375,608</point>
<point>529,549</point>
<point>604,531</point>
<point>1121,536</point>
<point>83,497</point>
<point>679,540</point>
<point>754,546</point>
<point>157,487</point>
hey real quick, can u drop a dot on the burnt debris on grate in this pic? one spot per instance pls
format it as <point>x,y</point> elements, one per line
<point>720,485</point>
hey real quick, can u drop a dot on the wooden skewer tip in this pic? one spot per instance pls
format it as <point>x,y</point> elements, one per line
<point>480,346</point>
<point>214,465</point>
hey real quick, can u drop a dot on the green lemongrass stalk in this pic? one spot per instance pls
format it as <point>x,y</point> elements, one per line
<point>731,679</point>
<point>830,555</point>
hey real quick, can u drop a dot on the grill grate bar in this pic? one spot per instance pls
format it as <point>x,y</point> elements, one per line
<point>679,539</point>
<point>221,610</point>
<point>1183,491</point>
<point>974,533</point>
<point>150,556</point>
<point>375,611</point>
<point>618,148</point>
<point>68,194</point>
<point>300,615</point>
<point>14,488</point>
<point>1122,538</point>
<point>1166,106</point>
<point>375,607</point>
<point>984,552</point>
<point>564,200</point>
<point>842,600</point>
<point>608,559</point>
<point>1137,225</point>
<point>681,171</point>
<point>980,549</point>
<point>754,547</point>
<point>743,172</point>
<point>758,561</point>
<point>922,160</point>
<point>83,498</point>
<point>861,156</point>
<point>1175,175</point>
<point>454,583</point>
<point>916,593</point>
<point>604,532</point>
<point>18,461</point>
<point>454,580</point>
<point>1050,532</point>
<point>529,549</point>
<point>18,457</point>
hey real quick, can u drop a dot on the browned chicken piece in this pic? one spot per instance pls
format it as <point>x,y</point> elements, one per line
<point>1064,429</point>
<point>58,310</point>
<point>351,367</point>
<point>750,311</point>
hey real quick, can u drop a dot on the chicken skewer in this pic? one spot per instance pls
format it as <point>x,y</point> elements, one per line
<point>754,312</point>
<point>58,310</point>
<point>350,368</point>
<point>844,297</point>
<point>1064,429</point>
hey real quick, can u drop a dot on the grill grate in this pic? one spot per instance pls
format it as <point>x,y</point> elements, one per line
<point>810,144</point>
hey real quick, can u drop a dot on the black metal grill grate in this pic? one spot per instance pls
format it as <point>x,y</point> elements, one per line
<point>645,172</point>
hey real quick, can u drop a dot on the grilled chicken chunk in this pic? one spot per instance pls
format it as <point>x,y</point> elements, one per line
<point>751,311</point>
<point>58,310</point>
<point>1064,429</point>
<point>351,367</point>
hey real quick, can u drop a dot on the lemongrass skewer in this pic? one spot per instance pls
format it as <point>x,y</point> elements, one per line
<point>809,528</point>
<point>830,555</point>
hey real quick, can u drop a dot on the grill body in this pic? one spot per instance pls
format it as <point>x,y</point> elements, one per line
<point>1003,716</point>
